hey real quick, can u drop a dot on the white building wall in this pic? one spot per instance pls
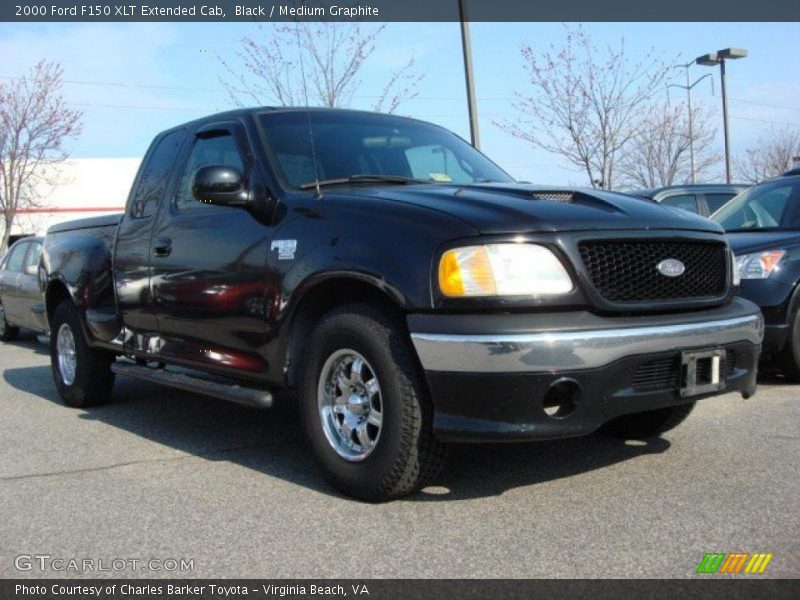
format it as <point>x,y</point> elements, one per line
<point>79,188</point>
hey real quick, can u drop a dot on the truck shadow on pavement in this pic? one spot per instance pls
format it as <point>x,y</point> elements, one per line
<point>30,341</point>
<point>271,441</point>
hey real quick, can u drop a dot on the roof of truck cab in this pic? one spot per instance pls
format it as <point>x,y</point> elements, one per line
<point>245,112</point>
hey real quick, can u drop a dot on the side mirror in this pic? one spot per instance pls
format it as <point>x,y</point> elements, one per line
<point>32,270</point>
<point>220,185</point>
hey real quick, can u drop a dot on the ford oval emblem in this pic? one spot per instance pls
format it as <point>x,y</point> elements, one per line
<point>671,267</point>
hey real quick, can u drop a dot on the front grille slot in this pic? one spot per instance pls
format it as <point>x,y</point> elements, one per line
<point>665,373</point>
<point>659,374</point>
<point>624,271</point>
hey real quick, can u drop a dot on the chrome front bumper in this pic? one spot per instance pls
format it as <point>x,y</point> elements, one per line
<point>574,349</point>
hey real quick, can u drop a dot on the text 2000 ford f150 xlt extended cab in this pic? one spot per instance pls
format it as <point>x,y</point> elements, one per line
<point>409,290</point>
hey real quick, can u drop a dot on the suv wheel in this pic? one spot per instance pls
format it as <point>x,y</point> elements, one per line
<point>82,375</point>
<point>365,408</point>
<point>7,332</point>
<point>790,355</point>
<point>648,424</point>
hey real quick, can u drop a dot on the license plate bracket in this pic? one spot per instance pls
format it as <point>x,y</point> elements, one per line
<point>702,372</point>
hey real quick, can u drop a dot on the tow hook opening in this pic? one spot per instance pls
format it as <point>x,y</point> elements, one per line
<point>561,398</point>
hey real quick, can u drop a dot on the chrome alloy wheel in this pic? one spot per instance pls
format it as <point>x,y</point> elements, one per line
<point>350,404</point>
<point>67,357</point>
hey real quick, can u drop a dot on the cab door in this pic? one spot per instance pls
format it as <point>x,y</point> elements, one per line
<point>131,264</point>
<point>209,266</point>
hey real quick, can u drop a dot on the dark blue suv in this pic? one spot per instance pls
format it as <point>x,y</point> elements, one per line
<point>763,225</point>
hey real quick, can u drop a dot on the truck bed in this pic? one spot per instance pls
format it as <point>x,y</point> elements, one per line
<point>90,223</point>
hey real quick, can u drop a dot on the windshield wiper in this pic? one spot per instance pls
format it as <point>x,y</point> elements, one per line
<point>363,178</point>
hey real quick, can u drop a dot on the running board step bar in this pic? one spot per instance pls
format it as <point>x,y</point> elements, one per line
<point>255,397</point>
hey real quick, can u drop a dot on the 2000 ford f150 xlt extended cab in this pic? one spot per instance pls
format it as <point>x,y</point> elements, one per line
<point>406,287</point>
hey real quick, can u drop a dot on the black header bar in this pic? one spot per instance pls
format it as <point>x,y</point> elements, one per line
<point>397,10</point>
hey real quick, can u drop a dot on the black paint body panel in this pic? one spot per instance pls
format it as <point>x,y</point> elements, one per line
<point>222,299</point>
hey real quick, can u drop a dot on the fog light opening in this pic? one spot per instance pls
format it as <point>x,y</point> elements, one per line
<point>561,398</point>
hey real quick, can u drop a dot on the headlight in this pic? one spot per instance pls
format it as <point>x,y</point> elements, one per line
<point>502,270</point>
<point>758,265</point>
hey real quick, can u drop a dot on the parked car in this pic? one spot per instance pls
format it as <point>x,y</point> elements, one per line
<point>21,301</point>
<point>702,199</point>
<point>403,284</point>
<point>763,226</point>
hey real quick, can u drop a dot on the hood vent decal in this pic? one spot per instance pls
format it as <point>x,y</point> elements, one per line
<point>566,197</point>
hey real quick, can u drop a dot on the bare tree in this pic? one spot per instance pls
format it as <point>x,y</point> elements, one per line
<point>34,122</point>
<point>658,153</point>
<point>772,155</point>
<point>584,103</point>
<point>312,63</point>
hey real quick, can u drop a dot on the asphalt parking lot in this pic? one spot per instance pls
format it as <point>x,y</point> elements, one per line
<point>165,474</point>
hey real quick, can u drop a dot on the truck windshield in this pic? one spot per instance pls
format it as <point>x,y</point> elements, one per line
<point>353,147</point>
<point>770,205</point>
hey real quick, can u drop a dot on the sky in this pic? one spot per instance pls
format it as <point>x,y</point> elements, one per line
<point>132,80</point>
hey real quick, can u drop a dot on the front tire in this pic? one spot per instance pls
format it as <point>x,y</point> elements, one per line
<point>82,375</point>
<point>651,423</point>
<point>7,332</point>
<point>790,355</point>
<point>365,408</point>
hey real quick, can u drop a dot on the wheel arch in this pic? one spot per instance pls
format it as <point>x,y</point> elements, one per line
<point>56,292</point>
<point>328,294</point>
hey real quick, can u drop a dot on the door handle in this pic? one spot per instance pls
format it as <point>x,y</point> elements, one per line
<point>162,247</point>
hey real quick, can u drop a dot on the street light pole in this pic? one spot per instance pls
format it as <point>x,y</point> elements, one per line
<point>718,58</point>
<point>691,119</point>
<point>725,120</point>
<point>466,46</point>
<point>688,87</point>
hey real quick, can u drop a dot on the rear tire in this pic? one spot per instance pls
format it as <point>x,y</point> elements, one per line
<point>790,355</point>
<point>648,424</point>
<point>365,407</point>
<point>82,375</point>
<point>7,332</point>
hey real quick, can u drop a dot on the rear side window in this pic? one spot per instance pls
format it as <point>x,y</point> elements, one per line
<point>16,258</point>
<point>717,201</point>
<point>155,175</point>
<point>684,201</point>
<point>216,150</point>
<point>34,254</point>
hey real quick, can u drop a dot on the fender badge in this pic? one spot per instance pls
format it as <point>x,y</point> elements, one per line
<point>671,267</point>
<point>285,248</point>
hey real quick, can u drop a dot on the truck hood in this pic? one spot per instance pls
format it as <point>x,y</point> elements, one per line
<point>514,208</point>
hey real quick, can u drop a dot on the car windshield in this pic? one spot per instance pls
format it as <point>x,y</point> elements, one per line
<point>770,205</point>
<point>352,147</point>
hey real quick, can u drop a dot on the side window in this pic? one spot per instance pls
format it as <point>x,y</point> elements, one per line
<point>155,175</point>
<point>33,256</point>
<point>717,201</point>
<point>16,258</point>
<point>220,149</point>
<point>436,163</point>
<point>770,207</point>
<point>684,201</point>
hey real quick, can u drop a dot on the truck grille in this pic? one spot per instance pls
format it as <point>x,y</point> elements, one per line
<point>625,270</point>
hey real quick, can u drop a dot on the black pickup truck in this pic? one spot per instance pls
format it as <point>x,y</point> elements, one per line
<point>406,288</point>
